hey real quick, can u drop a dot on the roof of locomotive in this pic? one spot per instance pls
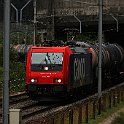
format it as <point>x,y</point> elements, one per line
<point>58,49</point>
<point>49,49</point>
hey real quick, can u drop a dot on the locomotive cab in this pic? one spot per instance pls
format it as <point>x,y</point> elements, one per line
<point>47,71</point>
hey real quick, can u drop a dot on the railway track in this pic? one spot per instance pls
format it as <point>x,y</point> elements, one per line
<point>31,110</point>
<point>14,99</point>
<point>35,112</point>
<point>28,107</point>
<point>60,113</point>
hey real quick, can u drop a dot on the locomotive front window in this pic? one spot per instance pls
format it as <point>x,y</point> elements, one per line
<point>52,60</point>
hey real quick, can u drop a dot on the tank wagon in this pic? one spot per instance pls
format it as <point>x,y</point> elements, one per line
<point>21,50</point>
<point>112,57</point>
<point>62,71</point>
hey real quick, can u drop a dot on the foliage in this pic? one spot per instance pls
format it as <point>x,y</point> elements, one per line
<point>119,119</point>
<point>90,37</point>
<point>21,38</point>
<point>106,113</point>
<point>16,72</point>
<point>17,77</point>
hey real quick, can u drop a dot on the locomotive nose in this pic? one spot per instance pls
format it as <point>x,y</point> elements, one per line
<point>50,78</point>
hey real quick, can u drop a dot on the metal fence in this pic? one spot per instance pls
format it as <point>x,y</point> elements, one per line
<point>85,110</point>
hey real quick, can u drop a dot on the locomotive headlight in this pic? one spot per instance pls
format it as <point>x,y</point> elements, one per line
<point>45,68</point>
<point>58,80</point>
<point>33,80</point>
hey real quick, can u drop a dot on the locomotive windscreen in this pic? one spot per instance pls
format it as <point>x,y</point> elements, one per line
<point>47,61</point>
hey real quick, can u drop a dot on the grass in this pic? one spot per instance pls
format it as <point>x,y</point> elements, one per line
<point>119,119</point>
<point>108,112</point>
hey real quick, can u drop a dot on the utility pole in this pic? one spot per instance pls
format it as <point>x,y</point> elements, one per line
<point>6,61</point>
<point>50,20</point>
<point>35,23</point>
<point>100,48</point>
<point>53,21</point>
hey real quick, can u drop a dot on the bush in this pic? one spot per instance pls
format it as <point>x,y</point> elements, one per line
<point>90,37</point>
<point>16,72</point>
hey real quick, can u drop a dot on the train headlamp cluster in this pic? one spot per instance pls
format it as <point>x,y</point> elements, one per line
<point>57,80</point>
<point>33,80</point>
<point>46,68</point>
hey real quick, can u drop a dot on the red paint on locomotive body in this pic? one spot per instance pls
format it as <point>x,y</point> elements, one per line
<point>47,67</point>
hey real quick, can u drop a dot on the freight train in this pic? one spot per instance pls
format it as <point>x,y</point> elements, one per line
<point>21,50</point>
<point>67,70</point>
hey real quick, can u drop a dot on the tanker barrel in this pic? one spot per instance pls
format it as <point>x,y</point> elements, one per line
<point>91,49</point>
<point>94,49</point>
<point>17,48</point>
<point>22,48</point>
<point>82,44</point>
<point>105,56</point>
<point>27,48</point>
<point>112,54</point>
<point>116,54</point>
<point>120,52</point>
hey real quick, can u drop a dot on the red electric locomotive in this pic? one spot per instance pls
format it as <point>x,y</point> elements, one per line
<point>57,71</point>
<point>63,71</point>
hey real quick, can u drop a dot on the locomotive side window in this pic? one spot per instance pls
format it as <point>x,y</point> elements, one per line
<point>52,60</point>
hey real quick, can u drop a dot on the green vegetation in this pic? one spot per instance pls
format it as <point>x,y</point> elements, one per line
<point>108,112</point>
<point>17,77</point>
<point>119,119</point>
<point>21,38</point>
<point>90,37</point>
<point>17,72</point>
